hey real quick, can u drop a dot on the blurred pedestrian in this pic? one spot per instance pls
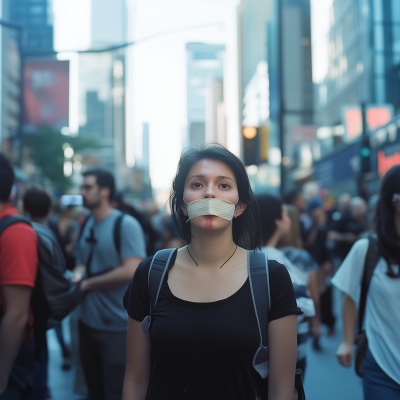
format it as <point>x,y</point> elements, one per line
<point>290,245</point>
<point>348,229</point>
<point>110,247</point>
<point>149,232</point>
<point>296,199</point>
<point>316,244</point>
<point>37,206</point>
<point>381,364</point>
<point>18,267</point>
<point>171,237</point>
<point>66,229</point>
<point>204,335</point>
<point>275,224</point>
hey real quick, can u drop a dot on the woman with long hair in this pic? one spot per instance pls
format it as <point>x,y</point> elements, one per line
<point>381,364</point>
<point>203,331</point>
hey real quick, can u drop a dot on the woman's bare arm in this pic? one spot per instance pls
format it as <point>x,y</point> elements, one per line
<point>138,363</point>
<point>349,318</point>
<point>282,343</point>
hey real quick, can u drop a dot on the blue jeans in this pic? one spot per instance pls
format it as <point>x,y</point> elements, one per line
<point>376,384</point>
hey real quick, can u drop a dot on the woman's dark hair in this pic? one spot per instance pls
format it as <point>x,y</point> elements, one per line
<point>6,178</point>
<point>37,203</point>
<point>270,210</point>
<point>384,221</point>
<point>246,227</point>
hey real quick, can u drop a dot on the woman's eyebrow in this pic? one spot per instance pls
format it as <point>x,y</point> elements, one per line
<point>203,176</point>
<point>224,177</point>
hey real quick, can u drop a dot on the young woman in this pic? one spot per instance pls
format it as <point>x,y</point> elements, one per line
<point>204,331</point>
<point>275,226</point>
<point>381,366</point>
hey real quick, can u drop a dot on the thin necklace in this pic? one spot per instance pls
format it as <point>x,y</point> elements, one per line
<point>221,265</point>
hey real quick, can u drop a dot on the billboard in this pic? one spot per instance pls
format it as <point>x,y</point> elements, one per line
<point>46,94</point>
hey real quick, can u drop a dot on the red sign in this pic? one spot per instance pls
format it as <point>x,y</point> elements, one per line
<point>304,134</point>
<point>46,93</point>
<point>378,116</point>
<point>387,162</point>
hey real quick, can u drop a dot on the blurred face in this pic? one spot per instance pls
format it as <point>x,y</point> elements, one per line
<point>91,192</point>
<point>211,179</point>
<point>300,203</point>
<point>359,210</point>
<point>318,216</point>
<point>284,224</point>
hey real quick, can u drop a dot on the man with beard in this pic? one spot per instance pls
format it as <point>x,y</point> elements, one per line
<point>110,248</point>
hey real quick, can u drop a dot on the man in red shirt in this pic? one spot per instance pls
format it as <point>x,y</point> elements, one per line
<point>18,266</point>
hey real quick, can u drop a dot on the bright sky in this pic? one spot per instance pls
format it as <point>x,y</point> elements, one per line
<point>159,66</point>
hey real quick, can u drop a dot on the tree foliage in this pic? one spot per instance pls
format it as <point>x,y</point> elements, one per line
<point>46,152</point>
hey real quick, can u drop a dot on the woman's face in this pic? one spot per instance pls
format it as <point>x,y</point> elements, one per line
<point>211,179</point>
<point>285,223</point>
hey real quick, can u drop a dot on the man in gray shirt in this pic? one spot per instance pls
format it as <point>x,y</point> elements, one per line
<point>105,267</point>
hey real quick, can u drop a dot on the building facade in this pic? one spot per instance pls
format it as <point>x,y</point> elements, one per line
<point>364,58</point>
<point>204,65</point>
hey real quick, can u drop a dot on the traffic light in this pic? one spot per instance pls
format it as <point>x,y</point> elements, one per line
<point>255,144</point>
<point>251,145</point>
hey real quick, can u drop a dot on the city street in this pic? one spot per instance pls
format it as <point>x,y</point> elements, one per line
<point>325,378</point>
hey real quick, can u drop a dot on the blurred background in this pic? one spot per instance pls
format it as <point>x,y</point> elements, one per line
<point>305,92</point>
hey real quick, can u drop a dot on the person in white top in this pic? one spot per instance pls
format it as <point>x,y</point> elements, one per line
<point>381,365</point>
<point>275,223</point>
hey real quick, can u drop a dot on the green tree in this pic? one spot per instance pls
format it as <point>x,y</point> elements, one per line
<point>46,152</point>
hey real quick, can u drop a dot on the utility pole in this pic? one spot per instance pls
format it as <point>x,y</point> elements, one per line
<point>281,121</point>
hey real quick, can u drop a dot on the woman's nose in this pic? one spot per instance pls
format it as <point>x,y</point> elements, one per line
<point>209,193</point>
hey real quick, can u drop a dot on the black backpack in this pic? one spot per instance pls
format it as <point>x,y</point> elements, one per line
<point>54,295</point>
<point>260,292</point>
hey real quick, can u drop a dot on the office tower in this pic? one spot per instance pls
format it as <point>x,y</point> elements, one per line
<point>215,128</point>
<point>364,58</point>
<point>36,17</point>
<point>204,64</point>
<point>276,89</point>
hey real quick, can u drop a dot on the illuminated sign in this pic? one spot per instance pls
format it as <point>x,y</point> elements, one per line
<point>385,163</point>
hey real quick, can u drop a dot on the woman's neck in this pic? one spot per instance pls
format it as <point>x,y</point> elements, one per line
<point>211,248</point>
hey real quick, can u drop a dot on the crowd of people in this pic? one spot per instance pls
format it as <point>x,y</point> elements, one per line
<point>188,322</point>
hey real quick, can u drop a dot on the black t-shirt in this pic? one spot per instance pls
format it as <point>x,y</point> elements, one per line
<point>205,350</point>
<point>347,224</point>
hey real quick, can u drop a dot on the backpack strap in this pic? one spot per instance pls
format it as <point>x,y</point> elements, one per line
<point>260,293</point>
<point>83,226</point>
<point>158,268</point>
<point>117,233</point>
<point>9,220</point>
<point>371,261</point>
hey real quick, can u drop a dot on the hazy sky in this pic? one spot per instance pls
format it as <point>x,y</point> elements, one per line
<point>159,66</point>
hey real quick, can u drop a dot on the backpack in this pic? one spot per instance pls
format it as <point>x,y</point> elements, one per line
<point>260,293</point>
<point>54,295</point>
<point>371,261</point>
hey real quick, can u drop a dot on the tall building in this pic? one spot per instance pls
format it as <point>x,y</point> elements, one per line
<point>276,89</point>
<point>364,58</point>
<point>36,17</point>
<point>204,64</point>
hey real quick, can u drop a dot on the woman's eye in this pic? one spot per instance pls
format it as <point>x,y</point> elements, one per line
<point>225,186</point>
<point>196,185</point>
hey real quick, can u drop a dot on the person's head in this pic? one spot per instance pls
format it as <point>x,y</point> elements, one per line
<point>98,187</point>
<point>343,202</point>
<point>293,237</point>
<point>316,210</point>
<point>358,208</point>
<point>274,218</point>
<point>6,178</point>
<point>214,172</point>
<point>295,199</point>
<point>118,200</point>
<point>386,213</point>
<point>37,203</point>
